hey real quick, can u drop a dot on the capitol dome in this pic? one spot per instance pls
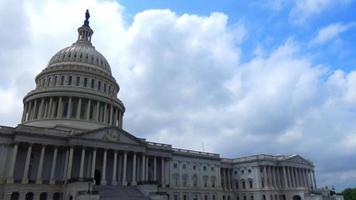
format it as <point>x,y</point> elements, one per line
<point>76,90</point>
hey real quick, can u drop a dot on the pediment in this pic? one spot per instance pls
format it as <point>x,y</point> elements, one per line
<point>299,159</point>
<point>110,134</point>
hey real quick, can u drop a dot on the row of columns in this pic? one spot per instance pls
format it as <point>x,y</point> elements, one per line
<point>287,177</point>
<point>53,107</point>
<point>93,157</point>
<point>226,178</point>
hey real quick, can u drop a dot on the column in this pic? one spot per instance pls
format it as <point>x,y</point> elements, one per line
<point>60,109</point>
<point>69,113</point>
<point>12,164</point>
<point>114,179</point>
<point>290,177</point>
<point>40,166</point>
<point>229,180</point>
<point>273,175</point>
<point>146,169</point>
<point>115,117</point>
<point>82,159</point>
<point>70,162</point>
<point>162,172</point>
<point>110,116</point>
<point>79,108</point>
<point>34,109</point>
<point>285,178</point>
<point>120,120</point>
<point>314,180</point>
<point>88,110</point>
<point>24,112</point>
<point>278,178</point>
<point>298,177</point>
<point>124,181</point>
<point>65,170</point>
<point>103,177</point>
<point>265,176</point>
<point>154,168</point>
<point>307,178</point>
<point>53,167</point>
<point>93,164</point>
<point>49,110</point>
<point>97,111</point>
<point>27,164</point>
<point>222,178</point>
<point>40,109</point>
<point>143,168</point>
<point>105,113</point>
<point>134,169</point>
<point>119,168</point>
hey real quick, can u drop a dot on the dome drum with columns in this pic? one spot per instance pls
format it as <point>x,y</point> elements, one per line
<point>76,90</point>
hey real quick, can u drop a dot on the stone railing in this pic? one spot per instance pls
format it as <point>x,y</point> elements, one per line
<point>159,144</point>
<point>198,153</point>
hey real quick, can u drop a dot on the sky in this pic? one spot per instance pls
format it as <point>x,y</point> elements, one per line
<point>236,77</point>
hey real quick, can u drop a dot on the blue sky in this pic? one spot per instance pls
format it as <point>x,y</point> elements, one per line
<point>270,23</point>
<point>273,77</point>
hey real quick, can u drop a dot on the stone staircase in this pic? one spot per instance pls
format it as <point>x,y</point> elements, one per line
<point>120,193</point>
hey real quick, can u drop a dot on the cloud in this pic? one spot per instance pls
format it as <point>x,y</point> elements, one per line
<point>330,32</point>
<point>183,82</point>
<point>306,9</point>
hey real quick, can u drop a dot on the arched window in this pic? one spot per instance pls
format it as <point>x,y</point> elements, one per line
<point>29,196</point>
<point>43,196</point>
<point>15,196</point>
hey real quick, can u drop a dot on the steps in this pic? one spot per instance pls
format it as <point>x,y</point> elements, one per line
<point>119,193</point>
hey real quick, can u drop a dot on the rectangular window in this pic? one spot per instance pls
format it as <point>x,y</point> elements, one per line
<point>104,87</point>
<point>62,80</point>
<point>85,82</point>
<point>92,83</point>
<point>55,81</point>
<point>70,80</point>
<point>99,85</point>
<point>77,81</point>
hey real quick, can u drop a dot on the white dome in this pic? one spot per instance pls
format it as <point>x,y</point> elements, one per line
<point>81,52</point>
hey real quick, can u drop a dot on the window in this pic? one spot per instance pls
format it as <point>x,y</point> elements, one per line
<point>77,81</point>
<point>245,198</point>
<point>263,197</point>
<point>62,80</point>
<point>185,197</point>
<point>242,171</point>
<point>249,170</point>
<point>250,183</point>
<point>213,179</point>
<point>194,167</point>
<point>43,196</point>
<point>235,172</point>
<point>184,166</point>
<point>85,82</point>
<point>237,185</point>
<point>206,197</point>
<point>175,197</point>
<point>251,197</point>
<point>195,180</point>
<point>214,197</point>
<point>70,80</point>
<point>15,196</point>
<point>99,85</point>
<point>204,168</point>
<point>49,81</point>
<point>55,81</point>
<point>243,184</point>
<point>92,83</point>
<point>212,169</point>
<point>205,178</point>
<point>185,179</point>
<point>104,87</point>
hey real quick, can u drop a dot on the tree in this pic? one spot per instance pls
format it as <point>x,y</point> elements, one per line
<point>349,194</point>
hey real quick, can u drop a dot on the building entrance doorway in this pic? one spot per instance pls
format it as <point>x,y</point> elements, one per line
<point>97,177</point>
<point>296,197</point>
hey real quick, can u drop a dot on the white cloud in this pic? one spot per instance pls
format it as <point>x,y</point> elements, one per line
<point>330,32</point>
<point>183,83</point>
<point>306,9</point>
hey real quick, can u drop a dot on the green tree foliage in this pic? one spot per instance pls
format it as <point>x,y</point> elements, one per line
<point>349,194</point>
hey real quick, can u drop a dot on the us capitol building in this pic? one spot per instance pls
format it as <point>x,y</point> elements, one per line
<point>70,145</point>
